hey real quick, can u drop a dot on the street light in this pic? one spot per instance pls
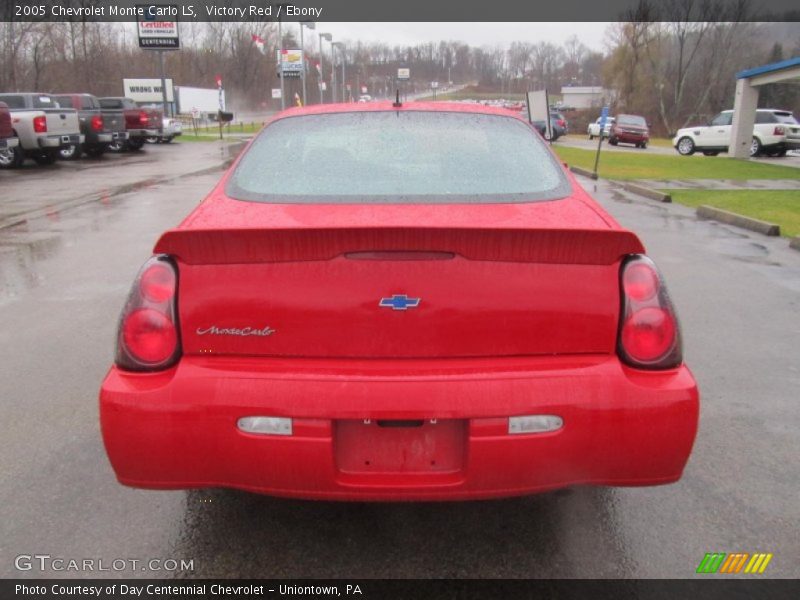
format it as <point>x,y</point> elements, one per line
<point>341,47</point>
<point>328,37</point>
<point>310,25</point>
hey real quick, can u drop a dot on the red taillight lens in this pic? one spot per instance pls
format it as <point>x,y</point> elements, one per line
<point>97,122</point>
<point>148,337</point>
<point>649,335</point>
<point>143,118</point>
<point>562,123</point>
<point>40,124</point>
<point>779,131</point>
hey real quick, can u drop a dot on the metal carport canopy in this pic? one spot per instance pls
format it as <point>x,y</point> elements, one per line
<point>746,102</point>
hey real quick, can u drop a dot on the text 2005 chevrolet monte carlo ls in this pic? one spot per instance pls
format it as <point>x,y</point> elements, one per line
<point>383,302</point>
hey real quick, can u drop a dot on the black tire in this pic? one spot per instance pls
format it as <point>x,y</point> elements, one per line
<point>166,140</point>
<point>153,139</point>
<point>755,147</point>
<point>46,157</point>
<point>643,145</point>
<point>116,146</point>
<point>11,158</point>
<point>135,144</point>
<point>591,137</point>
<point>613,141</point>
<point>95,151</point>
<point>710,152</point>
<point>685,146</point>
<point>71,152</point>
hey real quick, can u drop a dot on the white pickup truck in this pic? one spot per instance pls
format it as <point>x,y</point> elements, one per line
<point>42,126</point>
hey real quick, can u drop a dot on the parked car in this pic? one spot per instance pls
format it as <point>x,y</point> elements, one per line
<point>560,122</point>
<point>629,129</point>
<point>421,316</point>
<point>42,127</point>
<point>769,134</point>
<point>594,128</point>
<point>8,139</point>
<point>100,127</point>
<point>171,128</point>
<point>140,123</point>
<point>557,126</point>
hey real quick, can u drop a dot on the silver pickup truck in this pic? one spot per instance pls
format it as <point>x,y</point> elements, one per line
<point>42,127</point>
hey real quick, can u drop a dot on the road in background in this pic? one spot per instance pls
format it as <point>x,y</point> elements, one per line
<point>63,281</point>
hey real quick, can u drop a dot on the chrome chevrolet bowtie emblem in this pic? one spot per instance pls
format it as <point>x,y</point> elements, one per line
<point>399,302</point>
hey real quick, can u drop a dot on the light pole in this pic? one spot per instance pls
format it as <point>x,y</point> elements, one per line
<point>328,37</point>
<point>341,47</point>
<point>280,63</point>
<point>310,25</point>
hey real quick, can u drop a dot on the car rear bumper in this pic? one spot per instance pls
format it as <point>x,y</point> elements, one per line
<point>58,141</point>
<point>134,133</point>
<point>178,428</point>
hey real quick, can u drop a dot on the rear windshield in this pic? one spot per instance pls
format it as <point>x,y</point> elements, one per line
<point>110,103</point>
<point>631,120</point>
<point>37,101</point>
<point>396,157</point>
<point>785,117</point>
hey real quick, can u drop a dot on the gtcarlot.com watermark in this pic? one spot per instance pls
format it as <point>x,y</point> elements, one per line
<point>46,562</point>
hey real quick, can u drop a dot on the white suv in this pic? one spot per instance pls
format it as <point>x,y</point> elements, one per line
<point>769,134</point>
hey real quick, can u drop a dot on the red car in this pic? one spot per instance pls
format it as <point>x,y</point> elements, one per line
<point>629,129</point>
<point>382,302</point>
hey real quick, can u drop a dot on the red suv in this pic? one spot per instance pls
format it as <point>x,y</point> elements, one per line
<point>629,129</point>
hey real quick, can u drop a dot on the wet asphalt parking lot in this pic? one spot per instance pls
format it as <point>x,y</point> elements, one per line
<point>63,278</point>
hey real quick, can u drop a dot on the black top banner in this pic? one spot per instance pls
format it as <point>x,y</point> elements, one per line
<point>400,11</point>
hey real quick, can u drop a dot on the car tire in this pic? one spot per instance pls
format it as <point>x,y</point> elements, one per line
<point>755,147</point>
<point>685,146</point>
<point>166,140</point>
<point>591,137</point>
<point>46,157</point>
<point>135,144</point>
<point>71,152</point>
<point>95,151</point>
<point>11,158</point>
<point>613,141</point>
<point>116,146</point>
<point>710,152</point>
<point>154,139</point>
<point>643,145</point>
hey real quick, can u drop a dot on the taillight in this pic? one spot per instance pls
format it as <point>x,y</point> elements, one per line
<point>779,131</point>
<point>148,337</point>
<point>40,124</point>
<point>562,123</point>
<point>649,335</point>
<point>97,122</point>
<point>143,118</point>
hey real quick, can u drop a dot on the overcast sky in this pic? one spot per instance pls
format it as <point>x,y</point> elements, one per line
<point>477,34</point>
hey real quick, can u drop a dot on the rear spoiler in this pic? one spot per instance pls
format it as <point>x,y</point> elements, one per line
<point>235,246</point>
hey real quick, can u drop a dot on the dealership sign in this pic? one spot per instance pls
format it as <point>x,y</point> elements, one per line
<point>147,90</point>
<point>155,34</point>
<point>291,61</point>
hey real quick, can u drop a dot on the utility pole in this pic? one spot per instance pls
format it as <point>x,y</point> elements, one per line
<point>333,71</point>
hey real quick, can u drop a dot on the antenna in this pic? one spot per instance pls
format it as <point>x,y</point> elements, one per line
<point>397,103</point>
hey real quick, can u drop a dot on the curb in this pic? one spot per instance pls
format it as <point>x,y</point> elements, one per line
<point>794,243</point>
<point>584,172</point>
<point>644,191</point>
<point>122,189</point>
<point>729,218</point>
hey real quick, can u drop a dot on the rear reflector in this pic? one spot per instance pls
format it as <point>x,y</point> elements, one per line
<point>265,425</point>
<point>534,424</point>
<point>649,335</point>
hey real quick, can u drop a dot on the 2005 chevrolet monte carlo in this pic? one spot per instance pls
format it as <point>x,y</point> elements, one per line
<point>383,302</point>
